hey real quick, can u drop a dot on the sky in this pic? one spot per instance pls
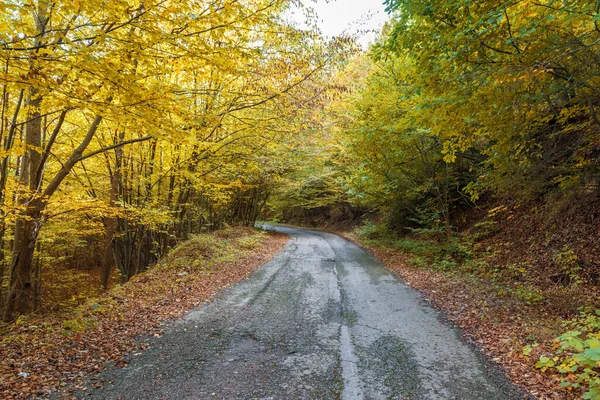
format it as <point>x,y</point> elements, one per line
<point>350,16</point>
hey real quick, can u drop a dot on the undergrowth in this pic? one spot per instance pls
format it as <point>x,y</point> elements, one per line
<point>577,354</point>
<point>197,257</point>
<point>44,353</point>
<point>463,255</point>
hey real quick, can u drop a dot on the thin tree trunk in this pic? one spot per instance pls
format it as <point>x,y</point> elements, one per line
<point>37,280</point>
<point>8,143</point>
<point>4,102</point>
<point>110,229</point>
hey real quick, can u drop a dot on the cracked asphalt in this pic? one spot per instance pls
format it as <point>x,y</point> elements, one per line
<point>322,320</point>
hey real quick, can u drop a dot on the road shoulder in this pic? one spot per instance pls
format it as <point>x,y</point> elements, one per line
<point>39,359</point>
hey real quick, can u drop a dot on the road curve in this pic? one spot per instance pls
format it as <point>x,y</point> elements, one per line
<point>322,320</point>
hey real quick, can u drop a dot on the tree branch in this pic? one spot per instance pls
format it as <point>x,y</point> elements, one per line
<point>40,168</point>
<point>114,146</point>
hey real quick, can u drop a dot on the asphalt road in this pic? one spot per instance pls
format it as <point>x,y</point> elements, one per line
<point>322,320</point>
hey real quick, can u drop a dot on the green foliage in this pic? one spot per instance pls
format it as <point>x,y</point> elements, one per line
<point>369,230</point>
<point>459,98</point>
<point>512,280</point>
<point>392,161</point>
<point>483,229</point>
<point>525,291</point>
<point>426,247</point>
<point>577,357</point>
<point>77,324</point>
<point>453,254</point>
<point>504,79</point>
<point>568,262</point>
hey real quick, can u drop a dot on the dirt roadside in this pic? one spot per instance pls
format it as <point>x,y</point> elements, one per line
<point>42,356</point>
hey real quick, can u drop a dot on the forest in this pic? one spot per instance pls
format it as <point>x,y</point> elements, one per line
<point>466,138</point>
<point>465,142</point>
<point>128,128</point>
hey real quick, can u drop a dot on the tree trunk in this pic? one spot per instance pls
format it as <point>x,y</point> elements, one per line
<point>110,225</point>
<point>20,293</point>
<point>27,226</point>
<point>37,280</point>
<point>20,289</point>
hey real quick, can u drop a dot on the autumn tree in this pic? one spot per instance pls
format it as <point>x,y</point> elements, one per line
<point>149,121</point>
<point>516,80</point>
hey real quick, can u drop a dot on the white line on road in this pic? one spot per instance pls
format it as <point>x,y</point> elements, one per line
<point>352,384</point>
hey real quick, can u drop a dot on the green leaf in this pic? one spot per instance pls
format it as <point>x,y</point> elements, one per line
<point>544,363</point>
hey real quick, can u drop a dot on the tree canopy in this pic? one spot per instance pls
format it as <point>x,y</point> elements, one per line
<point>127,126</point>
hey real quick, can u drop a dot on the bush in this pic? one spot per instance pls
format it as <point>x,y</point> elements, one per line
<point>577,356</point>
<point>370,230</point>
<point>568,263</point>
<point>483,229</point>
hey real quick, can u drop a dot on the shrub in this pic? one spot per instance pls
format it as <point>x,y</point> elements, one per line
<point>370,230</point>
<point>577,356</point>
<point>568,262</point>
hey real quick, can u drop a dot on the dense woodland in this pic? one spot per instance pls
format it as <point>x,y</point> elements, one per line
<point>126,127</point>
<point>472,128</point>
<point>459,101</point>
<point>468,136</point>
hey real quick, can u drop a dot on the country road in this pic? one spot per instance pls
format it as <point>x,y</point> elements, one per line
<point>322,320</point>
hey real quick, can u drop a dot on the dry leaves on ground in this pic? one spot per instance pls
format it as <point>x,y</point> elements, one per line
<point>43,356</point>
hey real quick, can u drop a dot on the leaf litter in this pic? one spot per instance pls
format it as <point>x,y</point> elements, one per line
<point>41,356</point>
